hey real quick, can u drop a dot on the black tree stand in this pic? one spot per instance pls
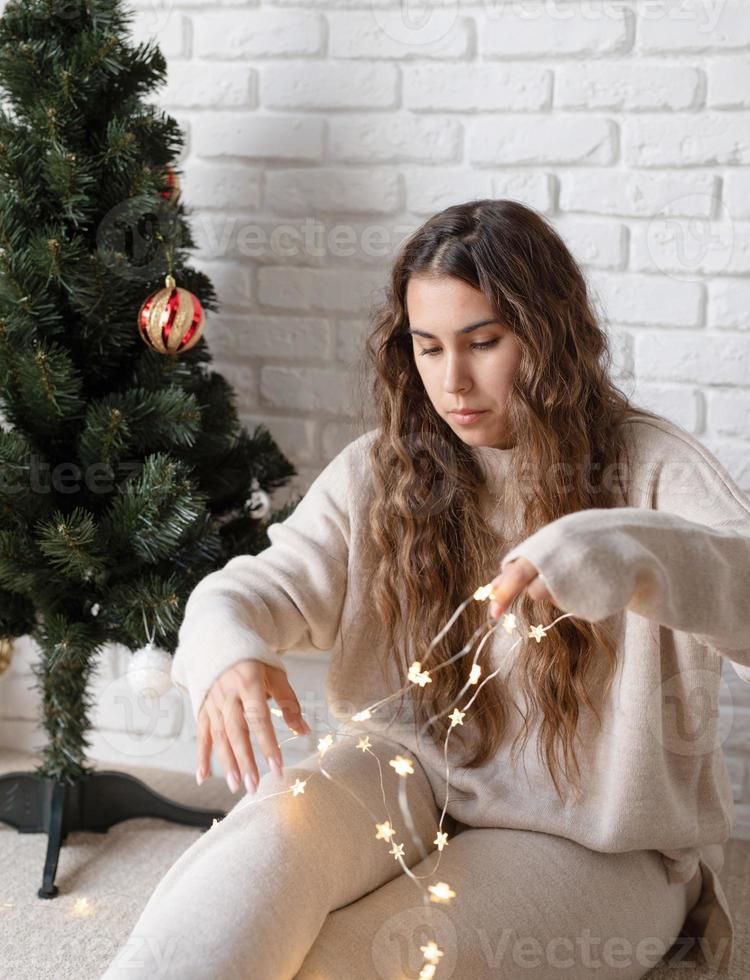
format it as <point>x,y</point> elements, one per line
<point>35,804</point>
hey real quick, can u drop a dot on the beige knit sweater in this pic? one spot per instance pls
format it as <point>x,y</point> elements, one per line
<point>670,566</point>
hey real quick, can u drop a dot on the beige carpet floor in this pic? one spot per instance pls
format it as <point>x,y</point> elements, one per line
<point>104,881</point>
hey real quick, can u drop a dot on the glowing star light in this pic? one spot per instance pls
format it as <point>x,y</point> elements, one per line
<point>475,674</point>
<point>418,676</point>
<point>441,840</point>
<point>537,632</point>
<point>364,743</point>
<point>432,951</point>
<point>509,622</point>
<point>456,717</point>
<point>397,850</point>
<point>385,831</point>
<point>441,892</point>
<point>362,715</point>
<point>402,764</point>
<point>298,787</point>
<point>325,743</point>
<point>483,592</point>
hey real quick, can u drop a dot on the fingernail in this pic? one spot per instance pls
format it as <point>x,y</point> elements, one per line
<point>275,766</point>
<point>200,775</point>
<point>233,782</point>
<point>249,783</point>
<point>305,728</point>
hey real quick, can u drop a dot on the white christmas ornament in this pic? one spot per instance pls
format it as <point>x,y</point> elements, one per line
<point>149,671</point>
<point>259,503</point>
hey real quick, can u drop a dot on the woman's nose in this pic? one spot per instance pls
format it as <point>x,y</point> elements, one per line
<point>456,376</point>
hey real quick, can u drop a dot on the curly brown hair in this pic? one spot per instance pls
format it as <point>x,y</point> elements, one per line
<point>433,544</point>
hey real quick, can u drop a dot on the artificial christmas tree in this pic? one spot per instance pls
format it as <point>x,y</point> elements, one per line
<point>151,481</point>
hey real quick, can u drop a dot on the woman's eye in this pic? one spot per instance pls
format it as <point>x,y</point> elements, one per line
<point>484,345</point>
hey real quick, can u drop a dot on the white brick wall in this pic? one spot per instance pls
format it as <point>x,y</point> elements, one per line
<point>320,134</point>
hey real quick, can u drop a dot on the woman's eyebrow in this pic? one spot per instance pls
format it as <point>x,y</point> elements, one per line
<point>471,326</point>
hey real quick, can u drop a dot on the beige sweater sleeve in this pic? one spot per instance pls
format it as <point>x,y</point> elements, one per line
<point>287,597</point>
<point>685,565</point>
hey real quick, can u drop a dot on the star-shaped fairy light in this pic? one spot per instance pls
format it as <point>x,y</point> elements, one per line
<point>385,831</point>
<point>537,632</point>
<point>325,743</point>
<point>403,765</point>
<point>418,676</point>
<point>442,891</point>
<point>431,951</point>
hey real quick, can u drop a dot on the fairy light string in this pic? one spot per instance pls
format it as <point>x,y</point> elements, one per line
<point>441,892</point>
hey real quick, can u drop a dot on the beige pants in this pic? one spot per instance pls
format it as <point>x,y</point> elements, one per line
<point>299,886</point>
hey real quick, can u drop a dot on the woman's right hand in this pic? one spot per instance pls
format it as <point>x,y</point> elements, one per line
<point>236,703</point>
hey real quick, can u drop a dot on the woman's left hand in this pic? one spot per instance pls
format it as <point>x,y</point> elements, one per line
<point>518,575</point>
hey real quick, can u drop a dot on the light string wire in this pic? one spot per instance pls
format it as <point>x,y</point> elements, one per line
<point>441,892</point>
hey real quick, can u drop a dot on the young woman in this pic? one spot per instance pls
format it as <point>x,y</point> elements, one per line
<point>587,797</point>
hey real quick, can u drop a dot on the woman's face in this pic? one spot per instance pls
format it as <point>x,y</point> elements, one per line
<point>457,373</point>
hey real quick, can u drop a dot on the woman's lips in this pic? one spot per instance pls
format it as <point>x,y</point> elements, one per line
<point>468,417</point>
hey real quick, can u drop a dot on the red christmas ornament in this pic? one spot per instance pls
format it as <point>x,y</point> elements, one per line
<point>173,186</point>
<point>171,320</point>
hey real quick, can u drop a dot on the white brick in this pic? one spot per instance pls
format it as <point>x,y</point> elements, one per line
<point>318,85</point>
<point>648,300</point>
<point>194,85</point>
<point>729,413</point>
<point>394,138</point>
<point>621,347</point>
<point>729,83</point>
<point>538,30</point>
<point>235,134</point>
<point>295,436</point>
<point>729,304</point>
<point>476,88</point>
<point>309,389</point>
<point>271,336</point>
<point>737,194</point>
<point>430,190</point>
<point>330,290</point>
<point>733,454</point>
<point>691,358</point>
<point>686,248</point>
<point>694,25</point>
<point>230,280</point>
<point>388,34</point>
<point>678,403</point>
<point>599,244</point>
<point>638,194</point>
<point>626,85</point>
<point>243,377</point>
<point>256,34</point>
<point>535,190</point>
<point>303,191</point>
<point>165,25</point>
<point>681,140</point>
<point>351,336</point>
<point>216,186</point>
<point>541,140</point>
